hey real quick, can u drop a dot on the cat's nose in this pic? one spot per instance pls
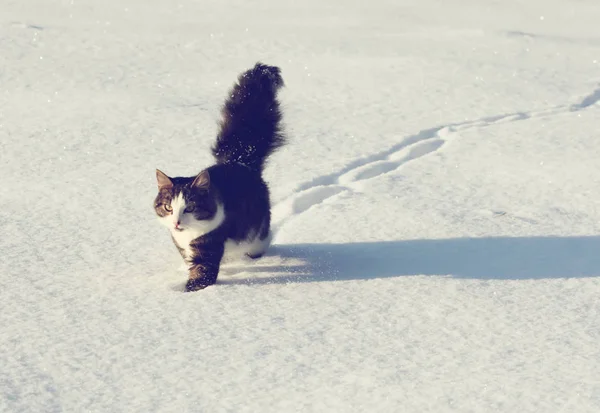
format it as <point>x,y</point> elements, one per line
<point>177,224</point>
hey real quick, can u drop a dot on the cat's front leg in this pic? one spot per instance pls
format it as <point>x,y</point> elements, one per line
<point>204,266</point>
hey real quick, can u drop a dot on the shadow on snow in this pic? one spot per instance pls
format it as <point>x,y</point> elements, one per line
<point>500,258</point>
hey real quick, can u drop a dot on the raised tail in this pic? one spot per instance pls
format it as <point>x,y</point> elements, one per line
<point>250,129</point>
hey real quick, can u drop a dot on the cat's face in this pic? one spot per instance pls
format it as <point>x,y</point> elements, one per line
<point>187,204</point>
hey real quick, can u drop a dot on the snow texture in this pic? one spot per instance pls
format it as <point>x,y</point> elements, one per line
<point>437,211</point>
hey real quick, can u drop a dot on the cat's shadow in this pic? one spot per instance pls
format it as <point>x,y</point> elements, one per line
<point>507,258</point>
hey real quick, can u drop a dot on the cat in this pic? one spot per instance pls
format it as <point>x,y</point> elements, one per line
<point>228,203</point>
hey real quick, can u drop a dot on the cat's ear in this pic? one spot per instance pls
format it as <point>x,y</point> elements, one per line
<point>164,182</point>
<point>202,180</point>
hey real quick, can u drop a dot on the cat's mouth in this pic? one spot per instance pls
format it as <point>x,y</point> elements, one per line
<point>178,229</point>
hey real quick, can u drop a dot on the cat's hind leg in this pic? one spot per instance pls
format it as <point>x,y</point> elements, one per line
<point>257,248</point>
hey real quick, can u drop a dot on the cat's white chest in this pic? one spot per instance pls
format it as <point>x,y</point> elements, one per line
<point>184,239</point>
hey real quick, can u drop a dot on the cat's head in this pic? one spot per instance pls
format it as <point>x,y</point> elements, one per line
<point>187,204</point>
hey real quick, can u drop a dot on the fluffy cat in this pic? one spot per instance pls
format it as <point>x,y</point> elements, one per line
<point>227,203</point>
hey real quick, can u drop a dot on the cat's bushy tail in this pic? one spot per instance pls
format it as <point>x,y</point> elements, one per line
<point>250,128</point>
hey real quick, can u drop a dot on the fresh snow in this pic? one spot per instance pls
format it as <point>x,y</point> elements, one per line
<point>437,210</point>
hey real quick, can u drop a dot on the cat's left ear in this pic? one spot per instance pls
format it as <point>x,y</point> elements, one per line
<point>202,180</point>
<point>163,180</point>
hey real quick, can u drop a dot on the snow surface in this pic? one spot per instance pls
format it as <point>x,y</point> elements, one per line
<point>437,208</point>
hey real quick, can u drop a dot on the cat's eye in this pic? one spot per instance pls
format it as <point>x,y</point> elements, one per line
<point>168,208</point>
<point>190,208</point>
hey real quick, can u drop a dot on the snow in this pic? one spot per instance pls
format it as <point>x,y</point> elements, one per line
<point>437,209</point>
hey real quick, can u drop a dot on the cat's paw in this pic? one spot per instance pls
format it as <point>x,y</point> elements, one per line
<point>195,285</point>
<point>255,256</point>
